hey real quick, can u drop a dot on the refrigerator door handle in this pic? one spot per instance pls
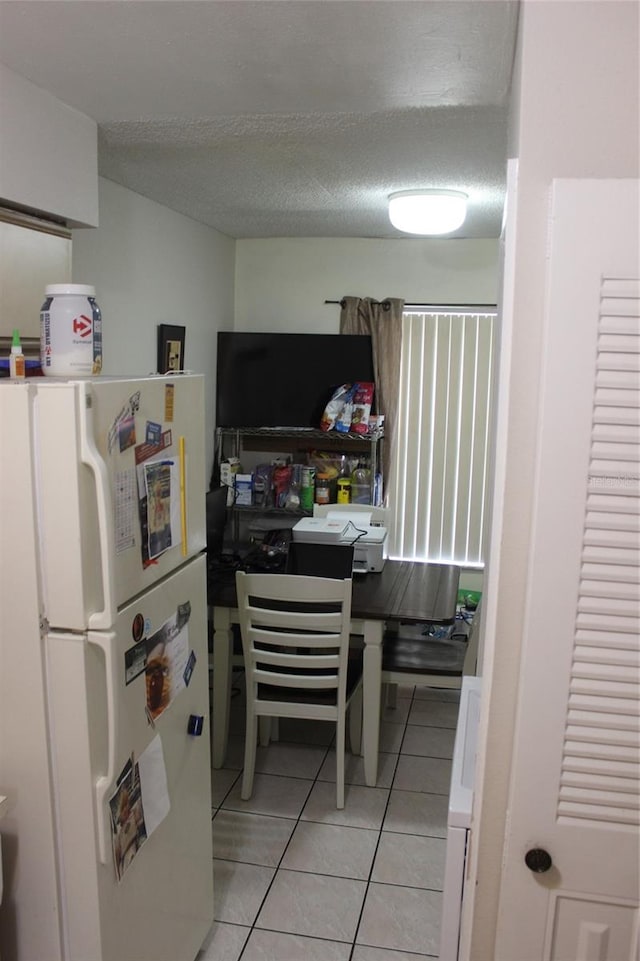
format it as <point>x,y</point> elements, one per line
<point>107,644</point>
<point>90,456</point>
<point>183,496</point>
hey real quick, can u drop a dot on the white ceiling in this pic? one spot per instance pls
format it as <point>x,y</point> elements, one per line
<point>294,118</point>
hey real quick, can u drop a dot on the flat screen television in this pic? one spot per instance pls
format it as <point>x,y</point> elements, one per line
<point>285,380</point>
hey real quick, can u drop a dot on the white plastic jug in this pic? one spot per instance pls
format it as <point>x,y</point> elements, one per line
<point>70,331</point>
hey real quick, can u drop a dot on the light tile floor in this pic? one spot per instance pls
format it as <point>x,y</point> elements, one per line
<point>297,880</point>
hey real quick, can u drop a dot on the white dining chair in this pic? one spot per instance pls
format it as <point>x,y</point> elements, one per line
<point>295,637</point>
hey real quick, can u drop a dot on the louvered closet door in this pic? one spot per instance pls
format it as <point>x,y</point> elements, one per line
<point>575,788</point>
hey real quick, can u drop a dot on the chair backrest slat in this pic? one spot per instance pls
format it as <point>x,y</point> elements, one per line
<point>294,638</point>
<point>296,587</point>
<point>293,659</point>
<point>305,621</point>
<point>305,681</point>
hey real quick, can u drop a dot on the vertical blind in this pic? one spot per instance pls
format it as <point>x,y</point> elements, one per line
<point>438,479</point>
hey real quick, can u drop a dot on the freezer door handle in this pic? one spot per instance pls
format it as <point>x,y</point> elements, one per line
<point>90,456</point>
<point>107,643</point>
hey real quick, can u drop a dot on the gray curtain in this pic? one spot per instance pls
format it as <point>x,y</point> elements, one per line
<point>383,321</point>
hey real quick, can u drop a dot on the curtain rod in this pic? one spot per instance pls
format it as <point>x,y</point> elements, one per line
<point>415,306</point>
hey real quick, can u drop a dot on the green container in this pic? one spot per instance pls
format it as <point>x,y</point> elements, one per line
<point>307,488</point>
<point>469,599</point>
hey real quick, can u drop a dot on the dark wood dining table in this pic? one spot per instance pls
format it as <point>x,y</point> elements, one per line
<point>407,591</point>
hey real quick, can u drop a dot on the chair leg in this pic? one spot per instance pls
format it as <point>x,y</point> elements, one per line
<point>250,739</point>
<point>340,738</point>
<point>355,722</point>
<point>269,729</point>
<point>392,696</point>
<point>264,726</point>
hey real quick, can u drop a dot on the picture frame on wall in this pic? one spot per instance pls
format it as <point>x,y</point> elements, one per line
<point>170,348</point>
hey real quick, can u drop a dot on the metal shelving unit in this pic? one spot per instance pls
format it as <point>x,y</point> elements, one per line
<point>232,441</point>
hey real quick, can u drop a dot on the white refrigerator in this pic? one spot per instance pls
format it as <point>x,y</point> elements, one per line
<point>104,695</point>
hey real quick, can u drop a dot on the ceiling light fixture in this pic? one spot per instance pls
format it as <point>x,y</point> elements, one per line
<point>427,211</point>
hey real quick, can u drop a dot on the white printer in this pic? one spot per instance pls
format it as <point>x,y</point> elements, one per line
<point>369,543</point>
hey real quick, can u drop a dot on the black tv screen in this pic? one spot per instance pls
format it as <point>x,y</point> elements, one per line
<point>285,380</point>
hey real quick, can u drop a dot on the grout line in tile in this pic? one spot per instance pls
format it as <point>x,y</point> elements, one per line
<point>216,808</point>
<point>260,814</point>
<point>410,887</point>
<point>402,790</point>
<point>400,834</point>
<point>352,827</point>
<point>311,937</point>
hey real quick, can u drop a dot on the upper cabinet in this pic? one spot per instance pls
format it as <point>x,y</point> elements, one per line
<point>48,154</point>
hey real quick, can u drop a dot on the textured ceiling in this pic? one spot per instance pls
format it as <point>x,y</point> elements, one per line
<point>267,118</point>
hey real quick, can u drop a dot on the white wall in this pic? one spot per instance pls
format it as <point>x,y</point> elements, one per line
<point>48,153</point>
<point>281,284</point>
<point>576,115</point>
<point>152,266</point>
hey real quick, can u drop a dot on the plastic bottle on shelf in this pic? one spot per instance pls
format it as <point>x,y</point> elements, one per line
<point>307,486</point>
<point>16,358</point>
<point>361,485</point>
<point>259,490</point>
<point>344,490</point>
<point>292,500</point>
<point>323,488</point>
<point>377,490</point>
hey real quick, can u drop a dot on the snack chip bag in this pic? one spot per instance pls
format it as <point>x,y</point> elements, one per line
<point>362,400</point>
<point>343,423</point>
<point>334,408</point>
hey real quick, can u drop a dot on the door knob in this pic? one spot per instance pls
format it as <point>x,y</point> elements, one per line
<point>538,860</point>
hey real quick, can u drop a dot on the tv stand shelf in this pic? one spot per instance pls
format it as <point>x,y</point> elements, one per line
<point>297,438</point>
<point>268,511</point>
<point>231,441</point>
